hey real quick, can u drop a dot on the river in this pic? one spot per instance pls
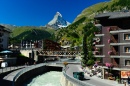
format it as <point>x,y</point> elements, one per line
<point>51,78</point>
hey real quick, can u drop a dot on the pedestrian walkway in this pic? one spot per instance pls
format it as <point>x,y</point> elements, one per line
<point>112,82</point>
<point>94,80</point>
<point>7,78</point>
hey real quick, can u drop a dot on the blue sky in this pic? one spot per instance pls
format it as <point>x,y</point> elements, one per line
<point>40,12</point>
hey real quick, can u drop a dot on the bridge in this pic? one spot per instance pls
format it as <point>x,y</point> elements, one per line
<point>39,54</point>
<point>59,53</point>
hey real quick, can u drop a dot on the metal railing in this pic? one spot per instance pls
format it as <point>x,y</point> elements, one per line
<point>59,53</point>
<point>7,69</point>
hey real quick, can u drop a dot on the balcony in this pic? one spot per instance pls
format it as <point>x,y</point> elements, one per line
<point>97,43</point>
<point>113,28</point>
<point>98,32</point>
<point>1,40</point>
<point>114,53</point>
<point>1,34</point>
<point>113,41</point>
<point>119,31</point>
<point>115,44</point>
<point>1,45</point>
<point>98,54</point>
<point>123,67</point>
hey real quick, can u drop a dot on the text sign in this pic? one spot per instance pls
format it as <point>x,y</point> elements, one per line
<point>125,74</point>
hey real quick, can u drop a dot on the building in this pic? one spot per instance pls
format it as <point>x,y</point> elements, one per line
<point>112,43</point>
<point>4,37</point>
<point>51,45</point>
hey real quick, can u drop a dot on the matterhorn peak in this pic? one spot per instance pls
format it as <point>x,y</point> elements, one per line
<point>58,13</point>
<point>58,21</point>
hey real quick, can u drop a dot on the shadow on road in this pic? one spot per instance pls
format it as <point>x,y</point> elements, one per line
<point>84,79</point>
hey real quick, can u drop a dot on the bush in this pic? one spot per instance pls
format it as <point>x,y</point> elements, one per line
<point>90,62</point>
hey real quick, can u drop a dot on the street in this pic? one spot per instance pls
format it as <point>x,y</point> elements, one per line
<point>91,80</point>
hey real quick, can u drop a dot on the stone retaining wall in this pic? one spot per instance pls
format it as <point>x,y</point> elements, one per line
<point>65,82</point>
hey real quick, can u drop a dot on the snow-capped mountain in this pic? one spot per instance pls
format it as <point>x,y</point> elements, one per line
<point>58,22</point>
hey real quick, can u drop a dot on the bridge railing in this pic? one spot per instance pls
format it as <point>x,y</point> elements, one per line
<point>60,53</point>
<point>75,81</point>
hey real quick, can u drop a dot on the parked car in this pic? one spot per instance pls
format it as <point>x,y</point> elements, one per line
<point>78,75</point>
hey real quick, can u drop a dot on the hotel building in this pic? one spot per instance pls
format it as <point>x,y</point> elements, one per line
<point>112,43</point>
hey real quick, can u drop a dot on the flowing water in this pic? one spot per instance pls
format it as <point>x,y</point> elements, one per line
<point>51,78</point>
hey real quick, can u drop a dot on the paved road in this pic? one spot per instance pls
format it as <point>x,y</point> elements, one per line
<point>91,80</point>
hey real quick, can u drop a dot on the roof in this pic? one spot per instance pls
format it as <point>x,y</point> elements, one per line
<point>114,15</point>
<point>5,29</point>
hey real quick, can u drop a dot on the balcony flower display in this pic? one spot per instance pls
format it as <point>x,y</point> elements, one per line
<point>108,29</point>
<point>109,65</point>
<point>108,40</point>
<point>109,52</point>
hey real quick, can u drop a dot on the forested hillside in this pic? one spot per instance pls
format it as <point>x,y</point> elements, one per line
<point>30,33</point>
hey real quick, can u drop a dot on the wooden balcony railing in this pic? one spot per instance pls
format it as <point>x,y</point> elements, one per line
<point>98,43</point>
<point>98,53</point>
<point>113,28</point>
<point>113,40</point>
<point>99,32</point>
<point>114,53</point>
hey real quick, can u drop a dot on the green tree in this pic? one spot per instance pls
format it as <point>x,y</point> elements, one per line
<point>88,57</point>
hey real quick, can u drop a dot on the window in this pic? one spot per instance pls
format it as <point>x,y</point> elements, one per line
<point>127,37</point>
<point>127,49</point>
<point>127,62</point>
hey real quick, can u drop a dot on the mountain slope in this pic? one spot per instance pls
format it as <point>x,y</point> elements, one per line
<point>31,33</point>
<point>110,6</point>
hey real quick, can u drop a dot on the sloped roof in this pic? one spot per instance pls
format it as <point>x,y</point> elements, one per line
<point>5,29</point>
<point>113,15</point>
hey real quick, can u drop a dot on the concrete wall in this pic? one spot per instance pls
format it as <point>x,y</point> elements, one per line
<point>35,72</point>
<point>65,82</point>
<point>26,53</point>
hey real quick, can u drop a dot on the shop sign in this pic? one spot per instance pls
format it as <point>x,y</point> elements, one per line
<point>125,74</point>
